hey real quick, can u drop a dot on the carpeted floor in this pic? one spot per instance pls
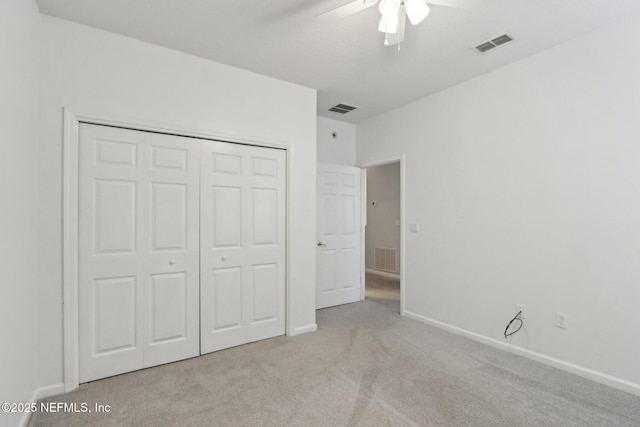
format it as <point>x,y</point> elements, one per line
<point>365,366</point>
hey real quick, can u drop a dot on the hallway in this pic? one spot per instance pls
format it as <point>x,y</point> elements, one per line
<point>382,290</point>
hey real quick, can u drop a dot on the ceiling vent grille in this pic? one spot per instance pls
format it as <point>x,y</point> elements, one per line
<point>342,108</point>
<point>493,43</point>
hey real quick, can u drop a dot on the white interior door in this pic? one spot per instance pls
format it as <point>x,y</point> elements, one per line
<point>242,244</point>
<point>138,246</point>
<point>339,235</point>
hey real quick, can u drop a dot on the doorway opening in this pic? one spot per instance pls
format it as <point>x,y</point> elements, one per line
<point>383,234</point>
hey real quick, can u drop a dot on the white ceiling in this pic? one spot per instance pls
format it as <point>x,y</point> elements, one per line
<point>345,59</point>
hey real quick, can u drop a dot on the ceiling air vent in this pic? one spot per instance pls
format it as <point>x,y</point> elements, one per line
<point>342,108</point>
<point>494,43</point>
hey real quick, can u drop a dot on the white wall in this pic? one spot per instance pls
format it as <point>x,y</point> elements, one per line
<point>91,70</point>
<point>526,184</point>
<point>383,187</point>
<point>19,41</point>
<point>336,151</point>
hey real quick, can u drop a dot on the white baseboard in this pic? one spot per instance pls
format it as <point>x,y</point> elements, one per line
<point>304,329</point>
<point>600,377</point>
<point>383,274</point>
<point>41,393</point>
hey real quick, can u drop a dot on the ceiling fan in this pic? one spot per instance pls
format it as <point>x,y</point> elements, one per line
<point>394,14</point>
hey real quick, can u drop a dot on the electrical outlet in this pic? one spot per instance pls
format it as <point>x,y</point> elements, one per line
<point>522,310</point>
<point>561,320</point>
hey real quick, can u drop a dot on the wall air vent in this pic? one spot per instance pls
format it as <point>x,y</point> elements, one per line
<point>493,43</point>
<point>386,259</point>
<point>342,108</point>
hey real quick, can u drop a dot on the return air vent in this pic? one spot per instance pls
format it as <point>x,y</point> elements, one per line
<point>494,43</point>
<point>386,259</point>
<point>342,108</point>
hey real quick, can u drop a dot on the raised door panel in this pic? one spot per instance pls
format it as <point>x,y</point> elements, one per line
<point>116,153</point>
<point>226,216</point>
<point>327,268</point>
<point>168,307</point>
<point>226,164</point>
<point>264,293</point>
<point>222,324</point>
<point>169,217</point>
<point>265,216</point>
<point>169,159</point>
<point>264,166</point>
<point>349,266</point>
<point>226,299</point>
<point>114,317</point>
<point>349,216</point>
<point>328,220</point>
<point>115,215</point>
<point>113,344</point>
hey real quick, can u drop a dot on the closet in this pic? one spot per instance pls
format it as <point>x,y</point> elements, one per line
<point>181,247</point>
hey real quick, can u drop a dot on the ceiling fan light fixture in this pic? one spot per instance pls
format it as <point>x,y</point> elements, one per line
<point>417,10</point>
<point>388,24</point>
<point>389,7</point>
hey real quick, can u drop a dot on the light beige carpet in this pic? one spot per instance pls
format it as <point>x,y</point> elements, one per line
<point>366,366</point>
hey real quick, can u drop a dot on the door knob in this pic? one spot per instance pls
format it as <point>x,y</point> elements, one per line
<point>223,257</point>
<point>320,243</point>
<point>172,261</point>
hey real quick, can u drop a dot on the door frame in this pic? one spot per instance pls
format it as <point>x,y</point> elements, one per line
<point>380,162</point>
<point>70,199</point>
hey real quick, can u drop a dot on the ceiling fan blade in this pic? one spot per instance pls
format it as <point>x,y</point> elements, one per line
<point>397,37</point>
<point>346,10</point>
<point>460,4</point>
<point>417,10</point>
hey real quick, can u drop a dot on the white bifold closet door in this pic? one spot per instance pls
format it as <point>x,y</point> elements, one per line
<point>138,250</point>
<point>181,247</point>
<point>242,244</point>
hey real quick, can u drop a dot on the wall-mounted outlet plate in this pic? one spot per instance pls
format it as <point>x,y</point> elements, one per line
<point>522,310</point>
<point>561,320</point>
